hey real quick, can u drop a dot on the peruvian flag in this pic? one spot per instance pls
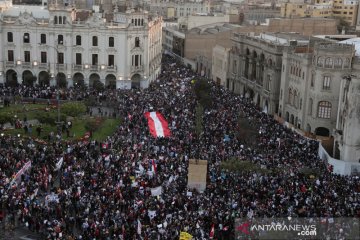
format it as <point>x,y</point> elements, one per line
<point>212,232</point>
<point>157,124</point>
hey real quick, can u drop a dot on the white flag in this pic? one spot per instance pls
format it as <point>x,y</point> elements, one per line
<point>59,164</point>
<point>151,214</point>
<point>156,191</point>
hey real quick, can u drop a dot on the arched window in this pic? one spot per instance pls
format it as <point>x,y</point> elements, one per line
<point>324,109</point>
<point>338,63</point>
<point>111,42</point>
<point>310,106</point>
<point>329,63</point>
<point>60,20</point>
<point>137,42</point>
<point>94,41</point>
<point>64,20</point>
<point>55,20</point>
<point>326,82</point>
<point>347,63</point>
<point>320,62</point>
<point>312,80</point>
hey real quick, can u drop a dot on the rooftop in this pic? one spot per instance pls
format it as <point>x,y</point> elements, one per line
<point>355,42</point>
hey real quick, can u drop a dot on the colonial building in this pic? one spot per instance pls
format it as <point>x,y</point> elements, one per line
<point>310,84</point>
<point>256,64</point>
<point>42,44</point>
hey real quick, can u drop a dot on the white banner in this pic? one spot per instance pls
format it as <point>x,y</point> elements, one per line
<point>156,191</point>
<point>18,175</point>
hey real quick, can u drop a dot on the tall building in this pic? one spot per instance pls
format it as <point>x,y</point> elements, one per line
<point>117,49</point>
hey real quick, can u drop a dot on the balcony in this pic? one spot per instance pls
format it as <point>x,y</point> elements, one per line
<point>78,67</point>
<point>137,68</point>
<point>44,65</point>
<point>94,68</point>
<point>10,64</point>
<point>26,64</point>
<point>60,66</point>
<point>111,68</point>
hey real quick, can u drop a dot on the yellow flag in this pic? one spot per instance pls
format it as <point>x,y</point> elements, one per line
<point>185,236</point>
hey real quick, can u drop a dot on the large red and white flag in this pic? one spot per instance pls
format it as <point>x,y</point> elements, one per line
<point>157,124</point>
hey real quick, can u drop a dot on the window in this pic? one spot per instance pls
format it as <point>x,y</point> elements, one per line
<point>78,40</point>
<point>136,60</point>
<point>27,56</point>
<point>328,63</point>
<point>55,20</point>
<point>137,42</point>
<point>324,110</point>
<point>43,57</point>
<point>64,20</point>
<point>78,59</point>
<point>312,80</point>
<point>310,106</point>
<point>111,60</point>
<point>234,66</point>
<point>60,58</point>
<point>26,38</point>
<point>11,55</point>
<point>142,22</point>
<point>43,38</point>
<point>338,63</point>
<point>94,59</point>
<point>111,42</point>
<point>94,41</point>
<point>60,20</point>
<point>60,39</point>
<point>326,83</point>
<point>320,62</point>
<point>10,37</point>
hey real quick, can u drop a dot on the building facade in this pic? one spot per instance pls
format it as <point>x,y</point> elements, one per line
<point>42,45</point>
<point>310,84</point>
<point>255,68</point>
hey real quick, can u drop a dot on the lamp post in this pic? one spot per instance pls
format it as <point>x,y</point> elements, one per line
<point>56,77</point>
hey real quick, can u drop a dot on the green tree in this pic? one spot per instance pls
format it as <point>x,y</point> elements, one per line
<point>73,109</point>
<point>98,85</point>
<point>5,118</point>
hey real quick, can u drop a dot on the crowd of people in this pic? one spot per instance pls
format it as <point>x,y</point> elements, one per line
<point>102,190</point>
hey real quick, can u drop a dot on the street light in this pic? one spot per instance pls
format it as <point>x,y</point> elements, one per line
<point>58,123</point>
